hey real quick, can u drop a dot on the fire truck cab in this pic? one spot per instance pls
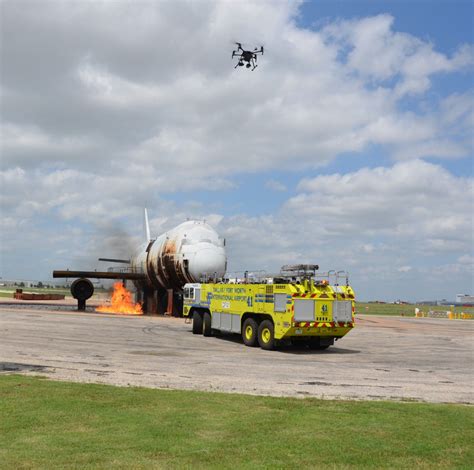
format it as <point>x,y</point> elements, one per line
<point>298,305</point>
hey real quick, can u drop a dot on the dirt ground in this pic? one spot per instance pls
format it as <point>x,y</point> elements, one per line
<point>392,358</point>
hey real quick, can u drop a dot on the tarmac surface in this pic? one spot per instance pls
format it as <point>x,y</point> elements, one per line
<point>383,358</point>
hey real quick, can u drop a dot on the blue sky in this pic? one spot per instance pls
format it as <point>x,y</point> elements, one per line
<point>349,146</point>
<point>447,23</point>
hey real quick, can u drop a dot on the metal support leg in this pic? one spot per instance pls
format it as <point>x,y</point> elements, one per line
<point>150,303</point>
<point>169,309</point>
<point>139,297</point>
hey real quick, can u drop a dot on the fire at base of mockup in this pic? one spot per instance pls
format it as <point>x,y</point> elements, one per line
<point>121,302</point>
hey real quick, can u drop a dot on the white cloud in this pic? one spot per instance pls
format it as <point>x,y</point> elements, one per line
<point>275,185</point>
<point>377,52</point>
<point>404,269</point>
<point>137,86</point>
<point>411,200</point>
<point>467,260</point>
<point>17,141</point>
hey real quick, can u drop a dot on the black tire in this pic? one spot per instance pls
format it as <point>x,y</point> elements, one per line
<point>207,330</point>
<point>197,323</point>
<point>266,335</point>
<point>250,332</point>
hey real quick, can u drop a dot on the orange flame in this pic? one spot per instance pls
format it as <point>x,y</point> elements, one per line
<point>121,302</point>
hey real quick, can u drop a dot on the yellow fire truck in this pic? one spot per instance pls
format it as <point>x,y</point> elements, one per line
<point>297,305</point>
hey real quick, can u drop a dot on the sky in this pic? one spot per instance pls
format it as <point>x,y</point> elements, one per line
<point>349,146</point>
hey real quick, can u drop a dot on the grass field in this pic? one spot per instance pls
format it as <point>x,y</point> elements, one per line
<point>45,424</point>
<point>405,310</point>
<point>9,291</point>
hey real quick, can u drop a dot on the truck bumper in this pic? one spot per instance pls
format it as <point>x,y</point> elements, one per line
<point>333,332</point>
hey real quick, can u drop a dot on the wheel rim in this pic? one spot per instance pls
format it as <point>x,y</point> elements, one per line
<point>266,335</point>
<point>248,332</point>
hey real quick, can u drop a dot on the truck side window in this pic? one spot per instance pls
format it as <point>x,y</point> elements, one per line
<point>191,292</point>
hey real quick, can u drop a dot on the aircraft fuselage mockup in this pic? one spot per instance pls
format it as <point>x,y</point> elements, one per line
<point>160,267</point>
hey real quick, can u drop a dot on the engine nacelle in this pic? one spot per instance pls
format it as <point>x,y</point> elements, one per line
<point>82,289</point>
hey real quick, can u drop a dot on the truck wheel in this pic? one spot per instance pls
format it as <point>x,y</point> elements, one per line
<point>207,330</point>
<point>197,323</point>
<point>266,336</point>
<point>250,332</point>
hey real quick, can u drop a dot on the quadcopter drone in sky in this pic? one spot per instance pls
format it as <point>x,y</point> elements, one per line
<point>246,56</point>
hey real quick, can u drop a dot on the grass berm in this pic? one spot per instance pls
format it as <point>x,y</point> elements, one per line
<point>47,424</point>
<point>406,310</point>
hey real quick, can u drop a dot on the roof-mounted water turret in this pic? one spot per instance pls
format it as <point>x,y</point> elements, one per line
<point>303,271</point>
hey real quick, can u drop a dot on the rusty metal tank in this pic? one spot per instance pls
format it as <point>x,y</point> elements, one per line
<point>187,253</point>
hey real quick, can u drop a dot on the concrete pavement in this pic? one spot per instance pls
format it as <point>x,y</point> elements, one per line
<point>382,358</point>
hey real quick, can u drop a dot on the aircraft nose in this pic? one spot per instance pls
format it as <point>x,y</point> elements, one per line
<point>207,261</point>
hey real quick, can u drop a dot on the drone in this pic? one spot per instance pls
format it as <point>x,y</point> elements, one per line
<point>246,56</point>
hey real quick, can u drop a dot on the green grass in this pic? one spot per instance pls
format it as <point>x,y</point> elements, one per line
<point>46,424</point>
<point>9,291</point>
<point>405,310</point>
<point>6,294</point>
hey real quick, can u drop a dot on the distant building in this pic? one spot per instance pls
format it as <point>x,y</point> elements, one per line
<point>434,302</point>
<point>465,299</point>
<point>28,283</point>
<point>18,283</point>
